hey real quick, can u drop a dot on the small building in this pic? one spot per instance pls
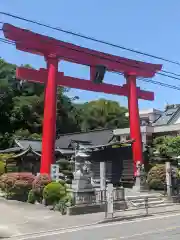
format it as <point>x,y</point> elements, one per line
<point>27,153</point>
<point>102,145</point>
<point>155,123</point>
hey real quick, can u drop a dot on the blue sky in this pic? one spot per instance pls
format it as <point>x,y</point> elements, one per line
<point>149,26</point>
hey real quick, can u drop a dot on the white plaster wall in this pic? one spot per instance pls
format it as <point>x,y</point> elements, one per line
<point>177,121</point>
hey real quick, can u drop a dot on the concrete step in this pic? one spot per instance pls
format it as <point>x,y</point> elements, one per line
<point>161,205</point>
<point>150,200</point>
<point>150,204</point>
<point>153,200</point>
<point>143,196</point>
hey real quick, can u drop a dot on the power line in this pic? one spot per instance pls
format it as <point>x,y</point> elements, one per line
<point>164,75</point>
<point>6,41</point>
<point>175,74</point>
<point>160,83</point>
<point>89,38</point>
<point>156,82</point>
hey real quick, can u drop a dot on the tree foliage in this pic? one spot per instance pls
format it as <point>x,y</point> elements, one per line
<point>21,110</point>
<point>167,146</point>
<point>102,114</point>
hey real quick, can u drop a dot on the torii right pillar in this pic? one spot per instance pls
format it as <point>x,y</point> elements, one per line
<point>134,120</point>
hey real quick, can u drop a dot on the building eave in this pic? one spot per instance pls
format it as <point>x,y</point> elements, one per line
<point>150,129</point>
<point>126,131</point>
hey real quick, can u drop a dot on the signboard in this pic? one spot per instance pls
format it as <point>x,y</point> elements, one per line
<point>55,172</point>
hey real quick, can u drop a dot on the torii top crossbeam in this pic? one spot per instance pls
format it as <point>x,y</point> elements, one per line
<point>38,44</point>
<point>54,50</point>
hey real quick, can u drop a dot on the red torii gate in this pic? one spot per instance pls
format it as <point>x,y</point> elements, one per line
<point>54,50</point>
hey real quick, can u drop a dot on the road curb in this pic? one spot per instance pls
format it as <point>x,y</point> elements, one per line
<point>53,230</point>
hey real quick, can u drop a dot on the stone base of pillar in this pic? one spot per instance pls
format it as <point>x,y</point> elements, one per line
<point>140,184</point>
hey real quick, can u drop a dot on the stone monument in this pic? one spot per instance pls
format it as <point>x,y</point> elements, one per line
<point>82,187</point>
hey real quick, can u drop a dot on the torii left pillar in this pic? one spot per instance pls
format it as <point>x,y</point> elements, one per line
<point>49,123</point>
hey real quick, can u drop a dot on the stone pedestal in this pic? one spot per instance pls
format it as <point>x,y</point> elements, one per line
<point>82,187</point>
<point>84,196</point>
<point>140,184</point>
<point>83,191</point>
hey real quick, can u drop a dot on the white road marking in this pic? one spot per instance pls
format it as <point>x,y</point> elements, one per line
<point>89,227</point>
<point>162,230</point>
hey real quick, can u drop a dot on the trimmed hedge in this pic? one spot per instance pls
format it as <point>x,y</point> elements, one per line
<point>156,178</point>
<point>17,185</point>
<point>40,182</point>
<point>54,192</point>
<point>38,185</point>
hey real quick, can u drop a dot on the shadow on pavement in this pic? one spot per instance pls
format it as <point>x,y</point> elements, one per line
<point>115,219</point>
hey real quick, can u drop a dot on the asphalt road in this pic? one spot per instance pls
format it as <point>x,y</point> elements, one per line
<point>152,227</point>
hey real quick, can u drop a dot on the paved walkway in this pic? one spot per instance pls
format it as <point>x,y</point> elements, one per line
<point>23,218</point>
<point>33,218</point>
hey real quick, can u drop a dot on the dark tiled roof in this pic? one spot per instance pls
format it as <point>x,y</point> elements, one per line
<point>11,150</point>
<point>97,137</point>
<point>169,116</point>
<point>24,144</point>
<point>175,117</point>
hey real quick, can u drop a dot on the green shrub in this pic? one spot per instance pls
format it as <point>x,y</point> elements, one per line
<point>68,198</point>
<point>2,168</point>
<point>53,193</point>
<point>31,197</point>
<point>157,177</point>
<point>61,207</point>
<point>64,203</point>
<point>17,184</point>
<point>62,182</point>
<point>156,184</point>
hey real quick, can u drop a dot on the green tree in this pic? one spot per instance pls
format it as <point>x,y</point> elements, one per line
<point>22,106</point>
<point>167,146</point>
<point>6,103</point>
<point>67,114</point>
<point>102,114</point>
